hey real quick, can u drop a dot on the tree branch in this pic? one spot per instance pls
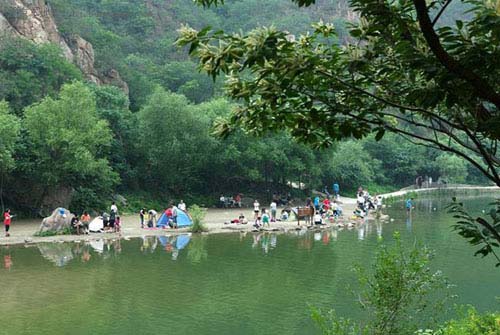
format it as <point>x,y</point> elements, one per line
<point>482,89</point>
<point>440,12</point>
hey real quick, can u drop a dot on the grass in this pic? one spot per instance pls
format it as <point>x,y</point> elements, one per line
<point>65,231</point>
<point>198,215</point>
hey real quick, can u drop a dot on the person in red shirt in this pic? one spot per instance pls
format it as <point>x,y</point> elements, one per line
<point>326,204</point>
<point>6,221</point>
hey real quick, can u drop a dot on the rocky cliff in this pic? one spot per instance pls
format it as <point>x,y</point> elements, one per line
<point>33,20</point>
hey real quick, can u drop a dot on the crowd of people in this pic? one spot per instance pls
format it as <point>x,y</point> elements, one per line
<point>366,202</point>
<point>149,219</point>
<point>111,221</point>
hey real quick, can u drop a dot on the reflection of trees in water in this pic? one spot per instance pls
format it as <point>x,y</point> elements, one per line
<point>197,250</point>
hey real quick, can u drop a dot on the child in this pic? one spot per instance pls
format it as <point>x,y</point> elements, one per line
<point>265,217</point>
<point>6,222</point>
<point>118,225</point>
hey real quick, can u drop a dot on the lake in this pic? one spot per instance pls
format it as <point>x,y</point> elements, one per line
<point>221,283</point>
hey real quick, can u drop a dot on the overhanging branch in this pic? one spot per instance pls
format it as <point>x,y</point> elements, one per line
<point>482,89</point>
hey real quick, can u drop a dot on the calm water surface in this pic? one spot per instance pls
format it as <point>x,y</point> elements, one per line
<point>220,284</point>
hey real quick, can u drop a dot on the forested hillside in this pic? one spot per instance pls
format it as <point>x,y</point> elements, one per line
<point>68,137</point>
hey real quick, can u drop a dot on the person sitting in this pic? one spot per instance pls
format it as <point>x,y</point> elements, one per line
<point>359,213</point>
<point>222,201</point>
<point>242,219</point>
<point>318,220</point>
<point>337,210</point>
<point>75,225</point>
<point>85,220</point>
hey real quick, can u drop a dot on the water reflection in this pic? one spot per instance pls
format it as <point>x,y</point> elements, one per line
<point>197,250</point>
<point>60,254</point>
<point>7,262</point>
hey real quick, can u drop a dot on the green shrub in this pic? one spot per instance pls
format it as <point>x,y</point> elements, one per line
<point>197,214</point>
<point>473,323</point>
<point>395,295</point>
<point>65,231</point>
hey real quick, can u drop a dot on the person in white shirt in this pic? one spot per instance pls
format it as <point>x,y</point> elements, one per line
<point>274,208</point>
<point>318,219</point>
<point>114,208</point>
<point>361,201</point>
<point>182,206</point>
<point>256,210</point>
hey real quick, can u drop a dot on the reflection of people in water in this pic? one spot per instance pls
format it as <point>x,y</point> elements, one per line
<point>274,240</point>
<point>326,237</point>
<point>149,243</point>
<point>335,233</point>
<point>7,262</point>
<point>265,243</point>
<point>256,240</point>
<point>85,256</point>
<point>378,224</point>
<point>408,222</point>
<point>117,246</point>
<point>361,232</point>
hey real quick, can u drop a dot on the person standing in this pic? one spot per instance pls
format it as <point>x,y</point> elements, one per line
<point>316,203</point>
<point>182,206</point>
<point>174,215</point>
<point>114,208</point>
<point>361,201</point>
<point>265,218</point>
<point>142,214</point>
<point>7,217</point>
<point>409,205</point>
<point>274,208</point>
<point>112,220</point>
<point>336,190</point>
<point>256,210</point>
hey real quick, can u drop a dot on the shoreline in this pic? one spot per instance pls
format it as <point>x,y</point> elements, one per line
<point>22,233</point>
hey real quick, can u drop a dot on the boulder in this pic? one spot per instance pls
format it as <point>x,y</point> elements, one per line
<point>58,221</point>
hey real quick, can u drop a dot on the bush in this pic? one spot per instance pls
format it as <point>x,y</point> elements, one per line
<point>473,323</point>
<point>65,231</point>
<point>395,296</point>
<point>197,214</point>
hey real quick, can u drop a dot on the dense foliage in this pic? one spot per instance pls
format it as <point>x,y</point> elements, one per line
<point>66,139</point>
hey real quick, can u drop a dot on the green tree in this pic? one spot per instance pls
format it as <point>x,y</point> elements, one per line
<point>351,166</point>
<point>29,72</point>
<point>452,168</point>
<point>175,142</point>
<point>123,154</point>
<point>67,141</point>
<point>10,127</point>
<point>432,84</point>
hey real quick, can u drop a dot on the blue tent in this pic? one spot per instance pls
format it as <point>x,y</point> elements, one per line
<point>163,240</point>
<point>182,241</point>
<point>183,220</point>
